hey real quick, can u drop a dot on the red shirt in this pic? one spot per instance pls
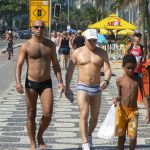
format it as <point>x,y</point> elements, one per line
<point>137,52</point>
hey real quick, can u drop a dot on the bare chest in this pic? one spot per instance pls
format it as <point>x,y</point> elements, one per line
<point>38,52</point>
<point>90,58</point>
<point>130,85</point>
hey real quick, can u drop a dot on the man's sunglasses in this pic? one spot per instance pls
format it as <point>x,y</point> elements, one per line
<point>37,27</point>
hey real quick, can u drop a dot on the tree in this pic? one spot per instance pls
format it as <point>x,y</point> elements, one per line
<point>11,8</point>
<point>79,18</point>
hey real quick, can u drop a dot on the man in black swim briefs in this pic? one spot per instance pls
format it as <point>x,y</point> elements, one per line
<point>38,53</point>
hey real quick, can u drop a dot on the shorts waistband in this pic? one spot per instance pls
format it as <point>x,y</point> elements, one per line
<point>128,108</point>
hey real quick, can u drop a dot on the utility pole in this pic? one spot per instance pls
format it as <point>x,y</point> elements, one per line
<point>68,12</point>
<point>50,17</point>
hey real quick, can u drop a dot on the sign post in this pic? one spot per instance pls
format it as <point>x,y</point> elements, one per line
<point>39,10</point>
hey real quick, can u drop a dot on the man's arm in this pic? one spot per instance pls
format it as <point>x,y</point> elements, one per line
<point>14,39</point>
<point>18,70</point>
<point>56,65</point>
<point>70,69</point>
<point>107,72</point>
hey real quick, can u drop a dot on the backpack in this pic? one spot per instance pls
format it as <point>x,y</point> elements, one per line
<point>131,46</point>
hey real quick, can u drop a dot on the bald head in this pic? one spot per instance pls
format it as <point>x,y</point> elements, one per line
<point>38,22</point>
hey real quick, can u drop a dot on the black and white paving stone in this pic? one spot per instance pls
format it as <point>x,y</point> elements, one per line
<point>63,132</point>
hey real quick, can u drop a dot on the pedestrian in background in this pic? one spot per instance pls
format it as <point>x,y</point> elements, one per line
<point>10,40</point>
<point>89,60</point>
<point>78,40</point>
<point>64,47</point>
<point>137,50</point>
<point>127,111</point>
<point>55,39</point>
<point>39,53</point>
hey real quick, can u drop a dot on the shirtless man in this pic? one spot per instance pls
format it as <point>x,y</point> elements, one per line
<point>10,40</point>
<point>89,60</point>
<point>38,53</point>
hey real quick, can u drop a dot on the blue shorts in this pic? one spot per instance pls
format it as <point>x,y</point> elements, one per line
<point>64,51</point>
<point>90,90</point>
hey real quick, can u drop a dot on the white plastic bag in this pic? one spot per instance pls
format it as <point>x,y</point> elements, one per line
<point>107,128</point>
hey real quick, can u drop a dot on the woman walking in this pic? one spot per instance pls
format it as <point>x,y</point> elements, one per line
<point>64,50</point>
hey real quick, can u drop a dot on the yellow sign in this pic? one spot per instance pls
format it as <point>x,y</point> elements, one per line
<point>39,10</point>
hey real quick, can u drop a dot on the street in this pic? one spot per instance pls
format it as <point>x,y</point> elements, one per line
<point>63,132</point>
<point>7,67</point>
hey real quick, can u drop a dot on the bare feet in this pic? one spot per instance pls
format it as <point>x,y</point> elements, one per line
<point>41,142</point>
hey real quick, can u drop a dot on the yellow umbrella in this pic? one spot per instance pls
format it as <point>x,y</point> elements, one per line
<point>113,22</point>
<point>105,32</point>
<point>125,32</point>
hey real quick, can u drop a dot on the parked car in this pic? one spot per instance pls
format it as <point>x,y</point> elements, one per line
<point>25,34</point>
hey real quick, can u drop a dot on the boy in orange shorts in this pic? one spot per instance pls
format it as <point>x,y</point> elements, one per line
<point>127,111</point>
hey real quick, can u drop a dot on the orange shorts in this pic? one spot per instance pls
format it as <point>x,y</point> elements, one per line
<point>126,120</point>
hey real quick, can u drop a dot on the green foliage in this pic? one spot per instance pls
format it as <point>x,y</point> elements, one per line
<point>117,4</point>
<point>78,18</point>
<point>11,8</point>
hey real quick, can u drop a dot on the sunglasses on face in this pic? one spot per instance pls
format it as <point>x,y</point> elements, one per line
<point>39,27</point>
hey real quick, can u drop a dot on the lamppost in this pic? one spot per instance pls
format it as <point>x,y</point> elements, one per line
<point>68,26</point>
<point>68,11</point>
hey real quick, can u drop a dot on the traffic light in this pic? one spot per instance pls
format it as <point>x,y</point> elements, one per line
<point>57,10</point>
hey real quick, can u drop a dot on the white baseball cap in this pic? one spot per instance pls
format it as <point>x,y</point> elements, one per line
<point>91,34</point>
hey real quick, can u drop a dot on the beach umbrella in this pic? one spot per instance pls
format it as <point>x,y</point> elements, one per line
<point>125,32</point>
<point>113,22</point>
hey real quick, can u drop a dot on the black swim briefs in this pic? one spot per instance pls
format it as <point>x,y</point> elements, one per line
<point>38,86</point>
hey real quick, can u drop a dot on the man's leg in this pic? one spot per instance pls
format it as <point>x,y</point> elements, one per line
<point>12,52</point>
<point>83,102</point>
<point>95,103</point>
<point>121,141</point>
<point>31,100</point>
<point>9,53</point>
<point>47,107</point>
